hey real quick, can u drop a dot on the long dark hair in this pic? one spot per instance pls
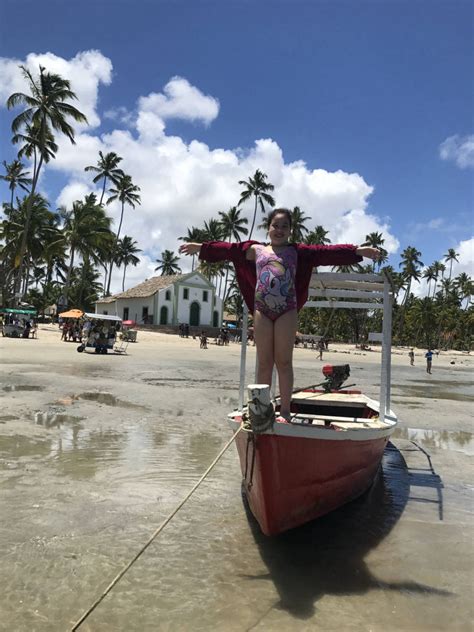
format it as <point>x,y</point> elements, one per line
<point>279,211</point>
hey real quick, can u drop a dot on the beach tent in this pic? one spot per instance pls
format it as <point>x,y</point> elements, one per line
<point>72,313</point>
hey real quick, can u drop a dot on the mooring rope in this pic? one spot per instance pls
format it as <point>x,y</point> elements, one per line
<point>119,576</point>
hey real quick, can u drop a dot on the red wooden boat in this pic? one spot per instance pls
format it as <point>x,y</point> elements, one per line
<point>329,452</point>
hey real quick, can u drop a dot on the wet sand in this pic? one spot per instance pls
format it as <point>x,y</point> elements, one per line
<point>95,451</point>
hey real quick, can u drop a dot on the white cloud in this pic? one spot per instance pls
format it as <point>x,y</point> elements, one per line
<point>72,192</point>
<point>466,258</point>
<point>180,100</point>
<point>465,263</point>
<point>459,149</point>
<point>120,114</point>
<point>183,184</point>
<point>86,71</point>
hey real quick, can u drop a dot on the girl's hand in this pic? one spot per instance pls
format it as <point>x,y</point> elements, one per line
<point>369,252</point>
<point>190,249</point>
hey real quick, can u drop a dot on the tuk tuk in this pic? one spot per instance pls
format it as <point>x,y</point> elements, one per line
<point>99,332</point>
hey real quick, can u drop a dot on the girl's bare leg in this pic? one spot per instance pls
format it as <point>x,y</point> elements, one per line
<point>263,335</point>
<point>284,342</point>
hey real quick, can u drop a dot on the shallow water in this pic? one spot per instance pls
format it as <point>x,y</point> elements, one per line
<point>434,393</point>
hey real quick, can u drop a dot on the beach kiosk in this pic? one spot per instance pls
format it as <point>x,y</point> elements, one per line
<point>14,321</point>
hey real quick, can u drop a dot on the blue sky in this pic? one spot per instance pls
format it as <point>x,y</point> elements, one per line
<point>364,96</point>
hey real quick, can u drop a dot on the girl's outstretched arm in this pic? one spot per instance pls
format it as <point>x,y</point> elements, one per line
<point>190,248</point>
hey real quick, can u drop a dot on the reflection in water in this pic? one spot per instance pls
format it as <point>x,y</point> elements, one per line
<point>232,402</point>
<point>108,399</point>
<point>18,446</point>
<point>444,439</point>
<point>50,418</point>
<point>327,555</point>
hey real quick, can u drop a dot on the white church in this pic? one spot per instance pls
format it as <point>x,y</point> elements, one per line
<point>167,300</point>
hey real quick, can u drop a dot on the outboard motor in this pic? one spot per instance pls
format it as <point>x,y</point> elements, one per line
<point>335,376</point>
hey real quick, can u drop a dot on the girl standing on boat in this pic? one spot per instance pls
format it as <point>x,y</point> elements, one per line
<point>274,281</point>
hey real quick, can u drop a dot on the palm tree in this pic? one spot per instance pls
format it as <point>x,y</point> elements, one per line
<point>429,274</point>
<point>41,230</point>
<point>437,268</point>
<point>298,218</point>
<point>16,177</point>
<point>86,231</point>
<point>451,256</point>
<point>168,264</point>
<point>464,284</point>
<point>258,188</point>
<point>127,193</point>
<point>194,235</point>
<point>317,237</point>
<point>47,109</point>
<point>411,265</point>
<point>232,224</point>
<point>125,255</point>
<point>106,169</point>
<point>376,240</point>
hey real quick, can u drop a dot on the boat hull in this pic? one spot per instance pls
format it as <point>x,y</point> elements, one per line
<point>290,480</point>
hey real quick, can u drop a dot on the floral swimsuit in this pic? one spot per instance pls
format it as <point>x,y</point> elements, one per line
<point>275,292</point>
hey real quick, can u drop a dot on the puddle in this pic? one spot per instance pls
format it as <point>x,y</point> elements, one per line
<point>21,387</point>
<point>444,439</point>
<point>445,383</point>
<point>420,391</point>
<point>4,418</point>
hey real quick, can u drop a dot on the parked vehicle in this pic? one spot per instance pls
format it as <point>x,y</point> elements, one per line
<point>100,332</point>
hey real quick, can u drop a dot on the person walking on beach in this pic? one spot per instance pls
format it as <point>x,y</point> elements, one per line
<point>274,281</point>
<point>411,355</point>
<point>429,360</point>
<point>321,347</point>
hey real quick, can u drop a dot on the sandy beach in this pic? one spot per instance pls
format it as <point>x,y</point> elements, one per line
<point>95,451</point>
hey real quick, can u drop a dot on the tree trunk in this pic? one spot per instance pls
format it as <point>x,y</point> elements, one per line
<point>68,277</point>
<point>115,248</point>
<point>103,192</point>
<point>123,280</point>
<point>254,216</point>
<point>29,208</point>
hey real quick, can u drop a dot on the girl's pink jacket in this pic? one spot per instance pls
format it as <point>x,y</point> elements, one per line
<point>308,258</point>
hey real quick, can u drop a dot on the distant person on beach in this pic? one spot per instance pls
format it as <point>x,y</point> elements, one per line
<point>429,360</point>
<point>411,355</point>
<point>274,281</point>
<point>203,339</point>
<point>321,348</point>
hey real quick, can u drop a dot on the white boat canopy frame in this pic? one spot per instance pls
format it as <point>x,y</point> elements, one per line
<point>370,291</point>
<point>336,290</point>
<point>91,316</point>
